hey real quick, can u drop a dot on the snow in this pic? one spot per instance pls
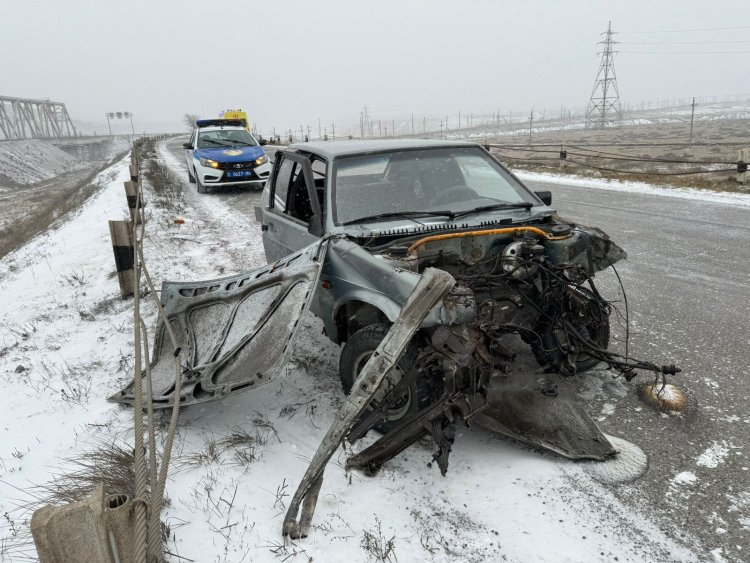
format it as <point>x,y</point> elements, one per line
<point>26,162</point>
<point>684,478</point>
<point>714,455</point>
<point>629,464</point>
<point>727,198</point>
<point>62,319</point>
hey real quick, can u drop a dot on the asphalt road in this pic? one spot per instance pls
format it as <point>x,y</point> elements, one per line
<point>686,280</point>
<point>242,199</point>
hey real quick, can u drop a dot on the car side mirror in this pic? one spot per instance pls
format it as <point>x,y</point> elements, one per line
<point>187,146</point>
<point>263,142</point>
<point>545,196</point>
<point>315,226</point>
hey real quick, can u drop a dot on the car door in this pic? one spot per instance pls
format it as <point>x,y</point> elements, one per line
<point>293,218</point>
<point>189,152</point>
<point>234,333</point>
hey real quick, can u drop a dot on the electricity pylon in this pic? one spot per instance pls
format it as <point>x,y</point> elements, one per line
<point>604,105</point>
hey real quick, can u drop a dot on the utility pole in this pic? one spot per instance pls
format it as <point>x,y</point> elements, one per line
<point>604,105</point>
<point>692,116</point>
<point>333,131</point>
<point>320,132</point>
<point>441,129</point>
<point>380,128</point>
<point>393,127</point>
<point>361,125</point>
<point>531,122</point>
<point>412,124</point>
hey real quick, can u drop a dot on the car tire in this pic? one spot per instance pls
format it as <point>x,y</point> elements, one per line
<point>191,178</point>
<point>201,188</point>
<point>354,356</point>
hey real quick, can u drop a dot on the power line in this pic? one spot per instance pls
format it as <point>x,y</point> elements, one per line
<point>680,42</point>
<point>685,30</point>
<point>685,52</point>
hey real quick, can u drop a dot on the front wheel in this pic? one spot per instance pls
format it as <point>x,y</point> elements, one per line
<point>191,178</point>
<point>354,356</point>
<point>201,188</point>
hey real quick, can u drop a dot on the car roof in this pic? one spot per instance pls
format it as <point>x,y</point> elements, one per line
<point>222,128</point>
<point>333,149</point>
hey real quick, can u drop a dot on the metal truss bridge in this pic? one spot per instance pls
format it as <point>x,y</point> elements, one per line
<point>22,118</point>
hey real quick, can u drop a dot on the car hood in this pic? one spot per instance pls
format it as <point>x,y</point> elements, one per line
<point>231,154</point>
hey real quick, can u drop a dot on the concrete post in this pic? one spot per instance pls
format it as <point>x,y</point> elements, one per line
<point>97,529</point>
<point>131,194</point>
<point>743,156</point>
<point>122,246</point>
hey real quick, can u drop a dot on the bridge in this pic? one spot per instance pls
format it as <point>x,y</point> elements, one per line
<point>23,118</point>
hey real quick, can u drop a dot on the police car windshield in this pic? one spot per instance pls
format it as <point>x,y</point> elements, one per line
<point>225,138</point>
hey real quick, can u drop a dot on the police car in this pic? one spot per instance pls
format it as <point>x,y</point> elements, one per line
<point>221,152</point>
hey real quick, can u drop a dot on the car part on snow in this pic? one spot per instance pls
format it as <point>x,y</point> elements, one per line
<point>432,287</point>
<point>231,329</point>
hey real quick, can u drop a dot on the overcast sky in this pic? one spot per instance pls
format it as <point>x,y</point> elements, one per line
<point>289,62</point>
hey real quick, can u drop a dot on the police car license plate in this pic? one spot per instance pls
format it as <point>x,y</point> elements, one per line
<point>238,173</point>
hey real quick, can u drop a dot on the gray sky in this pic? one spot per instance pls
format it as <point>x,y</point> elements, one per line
<point>289,62</point>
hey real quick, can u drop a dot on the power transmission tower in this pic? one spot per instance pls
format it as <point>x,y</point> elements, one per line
<point>604,105</point>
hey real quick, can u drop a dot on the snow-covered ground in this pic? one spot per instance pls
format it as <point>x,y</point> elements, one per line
<point>26,162</point>
<point>66,343</point>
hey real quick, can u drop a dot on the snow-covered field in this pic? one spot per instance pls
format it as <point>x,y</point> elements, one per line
<point>66,343</point>
<point>727,198</point>
<point>26,162</point>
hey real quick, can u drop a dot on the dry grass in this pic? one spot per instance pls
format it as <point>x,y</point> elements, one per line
<point>238,446</point>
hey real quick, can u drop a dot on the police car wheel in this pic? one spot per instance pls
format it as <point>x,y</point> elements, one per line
<point>201,188</point>
<point>191,178</point>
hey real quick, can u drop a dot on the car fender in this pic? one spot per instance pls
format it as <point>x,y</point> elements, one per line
<point>352,274</point>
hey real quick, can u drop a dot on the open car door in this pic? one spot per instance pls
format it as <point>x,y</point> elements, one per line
<point>234,333</point>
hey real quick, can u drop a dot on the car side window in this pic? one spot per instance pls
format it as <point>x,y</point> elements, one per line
<point>281,184</point>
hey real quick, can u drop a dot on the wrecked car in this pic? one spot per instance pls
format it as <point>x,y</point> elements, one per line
<point>350,230</point>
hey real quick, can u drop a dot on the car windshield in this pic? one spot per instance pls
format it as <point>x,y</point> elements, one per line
<point>225,138</point>
<point>458,180</point>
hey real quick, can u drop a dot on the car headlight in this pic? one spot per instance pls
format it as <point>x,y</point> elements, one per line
<point>209,162</point>
<point>262,160</point>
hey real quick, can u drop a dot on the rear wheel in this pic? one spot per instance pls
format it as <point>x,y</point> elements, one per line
<point>354,356</point>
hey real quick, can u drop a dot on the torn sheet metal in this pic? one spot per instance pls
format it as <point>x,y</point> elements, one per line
<point>234,332</point>
<point>433,286</point>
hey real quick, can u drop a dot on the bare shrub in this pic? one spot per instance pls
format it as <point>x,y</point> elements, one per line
<point>377,546</point>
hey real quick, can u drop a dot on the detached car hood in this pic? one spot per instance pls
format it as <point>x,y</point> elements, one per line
<point>231,154</point>
<point>234,332</point>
